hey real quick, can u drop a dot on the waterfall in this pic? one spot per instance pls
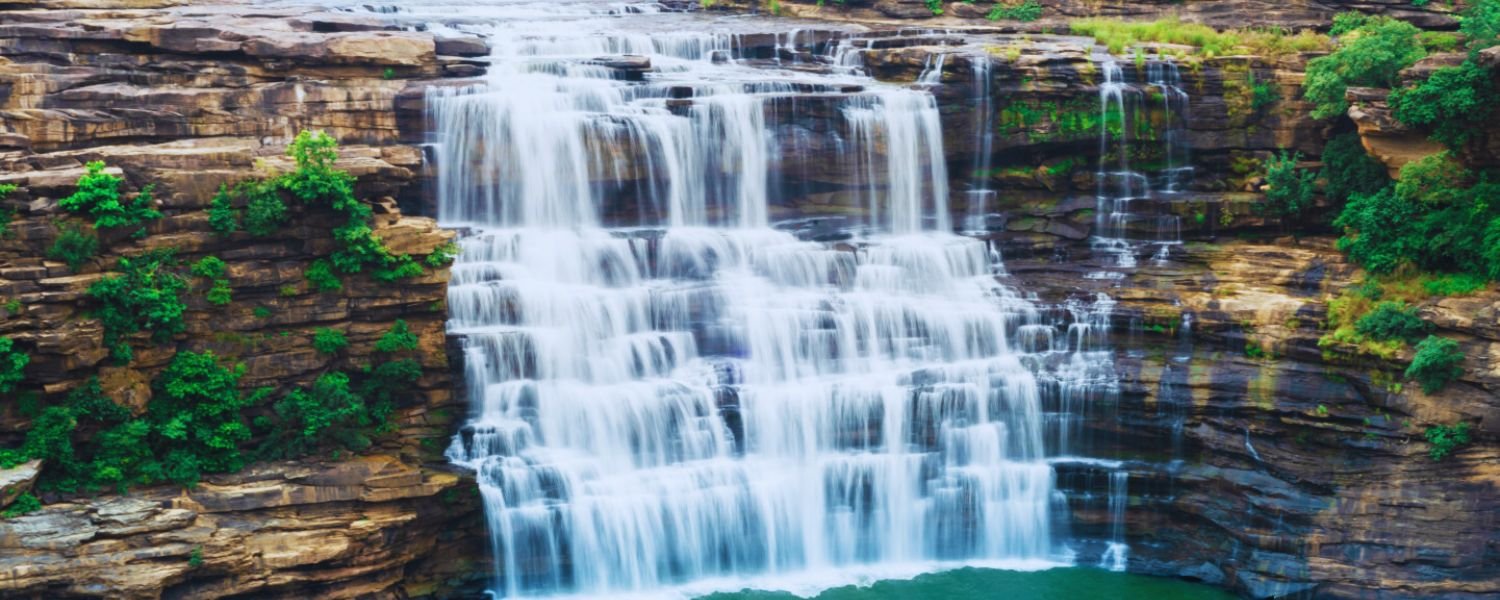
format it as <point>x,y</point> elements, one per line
<point>1116,553</point>
<point>984,144</point>
<point>1125,126</point>
<point>668,391</point>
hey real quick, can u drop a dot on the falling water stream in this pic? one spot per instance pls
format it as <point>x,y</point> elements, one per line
<point>673,392</point>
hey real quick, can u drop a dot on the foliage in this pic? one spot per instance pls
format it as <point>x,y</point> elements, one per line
<point>1438,217</point>
<point>195,558</point>
<point>12,365</point>
<point>145,296</point>
<point>1348,169</point>
<point>442,255</point>
<point>399,338</point>
<point>1453,102</point>
<point>220,294</point>
<point>1290,190</point>
<point>98,196</point>
<point>1372,54</point>
<point>1437,362</point>
<point>1013,10</point>
<point>320,275</point>
<point>6,214</point>
<point>1454,284</point>
<point>1262,93</point>
<point>327,340</point>
<point>74,245</point>
<point>196,417</point>
<point>936,6</point>
<point>261,312</point>
<point>208,267</point>
<point>264,210</point>
<point>327,413</point>
<point>1445,439</point>
<point>1119,35</point>
<point>23,504</point>
<point>1480,24</point>
<point>1392,321</point>
<point>222,217</point>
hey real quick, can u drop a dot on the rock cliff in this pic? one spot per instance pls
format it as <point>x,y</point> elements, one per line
<point>186,98</point>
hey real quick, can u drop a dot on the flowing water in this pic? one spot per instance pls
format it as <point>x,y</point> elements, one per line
<point>675,394</point>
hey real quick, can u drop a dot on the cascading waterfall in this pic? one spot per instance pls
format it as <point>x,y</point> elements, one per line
<point>1123,117</point>
<point>669,393</point>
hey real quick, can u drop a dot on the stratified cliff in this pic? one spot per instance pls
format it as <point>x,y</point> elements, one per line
<point>186,98</point>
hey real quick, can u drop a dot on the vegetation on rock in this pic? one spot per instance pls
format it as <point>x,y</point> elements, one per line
<point>75,245</point>
<point>1372,51</point>
<point>1015,10</point>
<point>146,295</point>
<point>1445,439</point>
<point>1290,190</point>
<point>12,365</point>
<point>1438,361</point>
<point>1119,35</point>
<point>98,196</point>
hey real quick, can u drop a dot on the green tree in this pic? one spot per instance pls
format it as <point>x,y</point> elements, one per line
<point>1437,362</point>
<point>99,196</point>
<point>1371,55</point>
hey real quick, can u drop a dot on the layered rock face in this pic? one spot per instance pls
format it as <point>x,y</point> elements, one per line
<point>186,98</point>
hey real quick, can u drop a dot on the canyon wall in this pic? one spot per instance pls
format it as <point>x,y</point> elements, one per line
<point>186,99</point>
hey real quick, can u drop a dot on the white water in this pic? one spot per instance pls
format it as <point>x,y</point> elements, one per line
<point>672,397</point>
<point>1122,188</point>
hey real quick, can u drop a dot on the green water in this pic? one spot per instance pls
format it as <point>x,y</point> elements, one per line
<point>991,584</point>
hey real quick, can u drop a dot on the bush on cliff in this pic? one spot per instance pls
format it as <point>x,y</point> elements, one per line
<point>197,415</point>
<point>1445,439</point>
<point>145,296</point>
<point>1437,362</point>
<point>1371,54</point>
<point>1289,191</point>
<point>12,365</point>
<point>75,245</point>
<point>1349,170</point>
<point>1393,321</point>
<point>98,196</point>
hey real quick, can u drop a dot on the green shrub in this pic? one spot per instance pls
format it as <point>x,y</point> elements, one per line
<point>1348,169</point>
<point>1480,24</point>
<point>222,217</point>
<point>328,413</point>
<point>1262,93</point>
<point>196,412</point>
<point>145,296</point>
<point>264,212</point>
<point>195,558</point>
<point>1446,439</point>
<point>23,504</point>
<point>98,196</point>
<point>1438,361</point>
<point>1012,10</point>
<point>74,245</point>
<point>1393,321</point>
<point>1372,54</point>
<point>1454,285</point>
<point>327,340</point>
<point>6,213</point>
<point>398,339</point>
<point>261,312</point>
<point>12,366</point>
<point>1453,102</point>
<point>208,267</point>
<point>936,6</point>
<point>321,277</point>
<point>220,294</point>
<point>442,256</point>
<point>1289,190</point>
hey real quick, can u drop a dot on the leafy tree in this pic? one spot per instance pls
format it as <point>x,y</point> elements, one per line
<point>1454,102</point>
<point>1446,439</point>
<point>321,277</point>
<point>196,415</point>
<point>328,413</point>
<point>1348,169</point>
<point>398,339</point>
<point>222,217</point>
<point>1437,362</point>
<point>74,245</point>
<point>265,213</point>
<point>327,340</point>
<point>145,296</point>
<point>1289,190</point>
<point>1372,54</point>
<point>1393,321</point>
<point>12,365</point>
<point>99,196</point>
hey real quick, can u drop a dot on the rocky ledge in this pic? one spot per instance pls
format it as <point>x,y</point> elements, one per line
<point>371,526</point>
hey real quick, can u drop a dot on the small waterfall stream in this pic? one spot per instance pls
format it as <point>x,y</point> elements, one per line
<point>673,392</point>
